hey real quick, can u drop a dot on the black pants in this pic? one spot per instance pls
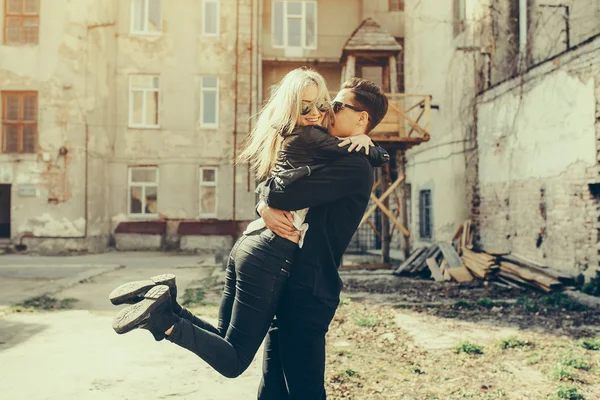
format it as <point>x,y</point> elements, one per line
<point>294,355</point>
<point>258,267</point>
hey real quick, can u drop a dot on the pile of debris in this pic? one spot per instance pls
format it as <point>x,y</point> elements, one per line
<point>459,261</point>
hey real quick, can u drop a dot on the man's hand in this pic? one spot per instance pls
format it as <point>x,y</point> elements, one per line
<point>356,143</point>
<point>278,221</point>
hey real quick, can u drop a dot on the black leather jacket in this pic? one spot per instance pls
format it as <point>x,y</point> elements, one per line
<point>310,148</point>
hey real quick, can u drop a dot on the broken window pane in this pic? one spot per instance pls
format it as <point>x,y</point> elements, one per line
<point>208,200</point>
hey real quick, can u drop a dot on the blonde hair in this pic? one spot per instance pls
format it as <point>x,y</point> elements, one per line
<point>278,118</point>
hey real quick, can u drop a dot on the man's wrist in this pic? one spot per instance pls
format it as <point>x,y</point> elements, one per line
<point>261,207</point>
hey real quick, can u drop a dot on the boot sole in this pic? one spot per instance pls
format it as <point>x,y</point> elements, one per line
<point>133,316</point>
<point>130,293</point>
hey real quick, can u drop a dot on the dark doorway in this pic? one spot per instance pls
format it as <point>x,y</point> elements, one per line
<point>4,211</point>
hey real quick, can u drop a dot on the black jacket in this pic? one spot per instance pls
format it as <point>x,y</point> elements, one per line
<point>308,149</point>
<point>337,194</point>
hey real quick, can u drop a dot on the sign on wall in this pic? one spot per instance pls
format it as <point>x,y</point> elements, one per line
<point>27,190</point>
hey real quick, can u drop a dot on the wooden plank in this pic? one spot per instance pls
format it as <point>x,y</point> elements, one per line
<point>457,233</point>
<point>420,262</point>
<point>533,277</point>
<point>410,259</point>
<point>387,212</point>
<point>444,269</point>
<point>435,270</point>
<point>460,274</point>
<point>374,229</point>
<point>383,196</point>
<point>450,255</point>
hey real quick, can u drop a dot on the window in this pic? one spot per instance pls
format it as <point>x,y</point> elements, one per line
<point>21,21</point>
<point>143,191</point>
<point>460,15</point>
<point>210,13</point>
<point>408,194</point>
<point>145,17</point>
<point>396,5</point>
<point>400,66</point>
<point>19,122</point>
<point>425,214</point>
<point>208,192</point>
<point>144,93</point>
<point>209,102</point>
<point>295,24</point>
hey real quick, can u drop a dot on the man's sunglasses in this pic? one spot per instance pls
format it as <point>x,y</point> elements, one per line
<point>322,106</point>
<point>338,106</point>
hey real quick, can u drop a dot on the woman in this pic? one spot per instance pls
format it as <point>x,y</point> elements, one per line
<point>260,261</point>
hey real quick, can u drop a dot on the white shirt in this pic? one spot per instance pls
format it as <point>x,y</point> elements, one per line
<point>299,217</point>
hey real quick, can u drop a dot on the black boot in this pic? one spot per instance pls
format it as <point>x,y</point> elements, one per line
<point>153,313</point>
<point>133,292</point>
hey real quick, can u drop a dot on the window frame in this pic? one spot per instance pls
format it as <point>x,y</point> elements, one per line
<point>218,18</point>
<point>20,123</point>
<point>400,5</point>
<point>145,31</point>
<point>425,232</point>
<point>203,184</point>
<point>130,183</point>
<point>286,17</point>
<point>216,90</point>
<point>460,16</point>
<point>22,16</point>
<point>144,125</point>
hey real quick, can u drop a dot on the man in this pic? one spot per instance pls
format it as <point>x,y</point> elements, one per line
<point>337,195</point>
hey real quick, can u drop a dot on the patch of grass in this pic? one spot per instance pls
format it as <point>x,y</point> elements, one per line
<point>565,373</point>
<point>194,297</point>
<point>578,364</point>
<point>366,321</point>
<point>463,304</point>
<point>591,343</point>
<point>45,303</point>
<point>533,359</point>
<point>344,301</point>
<point>569,393</point>
<point>486,302</point>
<point>468,348</point>
<point>527,304</point>
<point>514,342</point>
<point>558,300</point>
<point>350,373</point>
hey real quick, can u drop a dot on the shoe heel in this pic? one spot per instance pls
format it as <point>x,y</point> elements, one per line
<point>157,293</point>
<point>164,279</point>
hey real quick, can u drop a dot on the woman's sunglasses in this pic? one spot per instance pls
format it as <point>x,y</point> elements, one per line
<point>338,106</point>
<point>322,106</point>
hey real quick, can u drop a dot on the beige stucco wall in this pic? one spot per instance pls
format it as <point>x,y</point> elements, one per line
<point>81,70</point>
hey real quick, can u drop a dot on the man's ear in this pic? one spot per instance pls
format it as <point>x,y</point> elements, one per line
<point>364,118</point>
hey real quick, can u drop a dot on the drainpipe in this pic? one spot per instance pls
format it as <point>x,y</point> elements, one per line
<point>235,108</point>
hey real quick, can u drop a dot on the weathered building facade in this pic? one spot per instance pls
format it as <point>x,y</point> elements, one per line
<point>124,111</point>
<point>515,140</point>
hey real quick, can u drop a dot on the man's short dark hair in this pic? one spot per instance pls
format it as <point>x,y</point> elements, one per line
<point>370,98</point>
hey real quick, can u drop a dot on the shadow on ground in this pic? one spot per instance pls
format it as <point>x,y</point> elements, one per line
<point>13,333</point>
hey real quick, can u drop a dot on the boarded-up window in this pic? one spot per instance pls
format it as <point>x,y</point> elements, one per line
<point>19,122</point>
<point>208,192</point>
<point>21,21</point>
<point>143,191</point>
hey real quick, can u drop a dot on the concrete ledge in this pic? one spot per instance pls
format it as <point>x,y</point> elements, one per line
<point>207,244</point>
<point>138,242</point>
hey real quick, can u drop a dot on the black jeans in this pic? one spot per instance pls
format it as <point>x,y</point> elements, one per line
<point>294,354</point>
<point>258,267</point>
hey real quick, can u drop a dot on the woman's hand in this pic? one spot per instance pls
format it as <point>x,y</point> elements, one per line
<point>356,143</point>
<point>278,221</point>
